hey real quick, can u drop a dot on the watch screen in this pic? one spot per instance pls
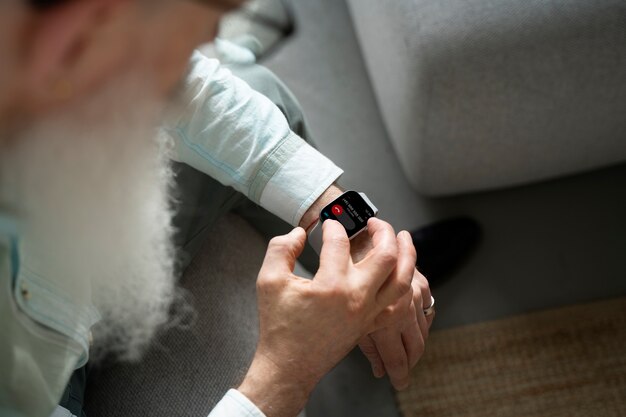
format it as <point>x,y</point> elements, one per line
<point>350,210</point>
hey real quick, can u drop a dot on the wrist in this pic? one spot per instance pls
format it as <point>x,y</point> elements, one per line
<point>275,392</point>
<point>311,216</point>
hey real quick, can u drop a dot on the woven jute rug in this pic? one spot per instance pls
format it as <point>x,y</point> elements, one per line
<point>567,362</point>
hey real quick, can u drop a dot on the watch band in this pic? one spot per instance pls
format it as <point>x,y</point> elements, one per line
<point>315,236</point>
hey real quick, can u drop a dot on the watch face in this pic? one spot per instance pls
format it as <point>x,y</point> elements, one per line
<point>350,210</point>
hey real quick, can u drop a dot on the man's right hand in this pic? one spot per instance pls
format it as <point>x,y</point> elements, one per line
<point>308,326</point>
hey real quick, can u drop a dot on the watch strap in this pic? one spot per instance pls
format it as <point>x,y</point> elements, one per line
<point>315,237</point>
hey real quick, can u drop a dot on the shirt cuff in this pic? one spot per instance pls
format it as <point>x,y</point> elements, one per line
<point>298,183</point>
<point>235,404</point>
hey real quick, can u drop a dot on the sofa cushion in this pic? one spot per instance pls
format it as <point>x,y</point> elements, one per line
<point>478,94</point>
<point>191,366</point>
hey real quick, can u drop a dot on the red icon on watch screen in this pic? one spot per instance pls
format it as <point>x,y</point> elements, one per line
<point>337,209</point>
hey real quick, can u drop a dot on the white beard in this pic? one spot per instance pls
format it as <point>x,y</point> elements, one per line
<point>90,186</point>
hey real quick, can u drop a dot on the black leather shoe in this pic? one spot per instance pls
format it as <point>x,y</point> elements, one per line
<point>443,246</point>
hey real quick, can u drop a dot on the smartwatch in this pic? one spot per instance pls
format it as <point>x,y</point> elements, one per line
<point>352,209</point>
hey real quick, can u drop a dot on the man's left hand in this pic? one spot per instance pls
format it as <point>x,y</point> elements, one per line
<point>397,348</point>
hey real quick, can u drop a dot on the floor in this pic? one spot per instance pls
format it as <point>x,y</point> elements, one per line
<point>545,245</point>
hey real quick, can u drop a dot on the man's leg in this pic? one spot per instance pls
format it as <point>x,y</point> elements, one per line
<point>199,202</point>
<point>74,394</point>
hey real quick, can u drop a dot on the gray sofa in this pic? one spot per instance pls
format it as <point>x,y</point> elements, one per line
<point>480,94</point>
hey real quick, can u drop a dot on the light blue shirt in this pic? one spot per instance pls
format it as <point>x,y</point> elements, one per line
<point>226,130</point>
<point>239,137</point>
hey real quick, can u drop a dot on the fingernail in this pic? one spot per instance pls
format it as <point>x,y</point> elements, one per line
<point>328,223</point>
<point>378,373</point>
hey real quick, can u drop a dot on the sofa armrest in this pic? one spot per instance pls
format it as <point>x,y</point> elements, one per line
<point>480,94</point>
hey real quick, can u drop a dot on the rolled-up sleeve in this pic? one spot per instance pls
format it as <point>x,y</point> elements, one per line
<point>235,404</point>
<point>239,137</point>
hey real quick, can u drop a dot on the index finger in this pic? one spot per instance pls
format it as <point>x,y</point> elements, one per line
<point>399,282</point>
<point>381,259</point>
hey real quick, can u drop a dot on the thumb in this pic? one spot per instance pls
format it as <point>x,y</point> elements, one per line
<point>282,252</point>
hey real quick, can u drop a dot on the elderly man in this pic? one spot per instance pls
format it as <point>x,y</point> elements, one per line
<point>86,231</point>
